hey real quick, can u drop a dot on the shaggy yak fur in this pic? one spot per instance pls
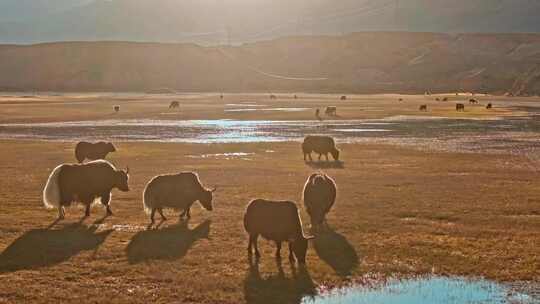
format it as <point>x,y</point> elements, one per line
<point>93,151</point>
<point>83,183</point>
<point>175,191</point>
<point>277,221</point>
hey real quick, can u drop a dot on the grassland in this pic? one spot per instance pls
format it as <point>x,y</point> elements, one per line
<point>399,211</point>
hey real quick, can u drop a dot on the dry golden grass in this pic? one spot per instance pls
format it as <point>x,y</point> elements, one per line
<point>399,211</point>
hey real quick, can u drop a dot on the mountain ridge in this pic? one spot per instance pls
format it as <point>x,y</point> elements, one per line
<point>366,62</point>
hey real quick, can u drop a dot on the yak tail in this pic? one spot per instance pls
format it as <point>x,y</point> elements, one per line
<point>147,201</point>
<point>51,193</point>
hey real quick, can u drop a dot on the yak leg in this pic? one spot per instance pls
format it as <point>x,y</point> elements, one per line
<point>186,212</point>
<point>253,244</point>
<point>152,215</point>
<point>105,199</point>
<point>61,213</point>
<point>326,155</point>
<point>320,155</point>
<point>87,211</point>
<point>291,254</point>
<point>278,250</point>
<point>160,210</point>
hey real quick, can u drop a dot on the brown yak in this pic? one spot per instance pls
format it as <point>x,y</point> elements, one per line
<point>83,183</point>
<point>93,151</point>
<point>276,221</point>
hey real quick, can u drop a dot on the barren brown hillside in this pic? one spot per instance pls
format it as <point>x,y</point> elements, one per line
<point>361,62</point>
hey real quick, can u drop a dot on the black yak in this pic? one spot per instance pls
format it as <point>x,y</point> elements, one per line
<point>93,151</point>
<point>423,108</point>
<point>319,196</point>
<point>330,111</point>
<point>343,97</point>
<point>460,107</point>
<point>116,109</point>
<point>174,104</point>
<point>83,183</point>
<point>175,191</point>
<point>489,106</point>
<point>276,221</point>
<point>321,145</point>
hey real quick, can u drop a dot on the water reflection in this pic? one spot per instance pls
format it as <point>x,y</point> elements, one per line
<point>428,290</point>
<point>458,135</point>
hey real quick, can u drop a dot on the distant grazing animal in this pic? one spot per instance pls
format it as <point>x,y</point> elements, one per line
<point>175,191</point>
<point>343,97</point>
<point>401,99</point>
<point>489,106</point>
<point>445,99</point>
<point>423,108</point>
<point>92,151</point>
<point>317,113</point>
<point>437,99</point>
<point>295,97</point>
<point>174,105</point>
<point>473,101</point>
<point>277,221</point>
<point>321,145</point>
<point>319,196</point>
<point>221,96</point>
<point>331,111</point>
<point>83,183</point>
<point>272,96</point>
<point>460,107</point>
<point>116,109</point>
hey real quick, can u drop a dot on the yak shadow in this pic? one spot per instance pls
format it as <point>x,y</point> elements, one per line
<point>46,247</point>
<point>326,164</point>
<point>334,249</point>
<point>169,243</point>
<point>278,288</point>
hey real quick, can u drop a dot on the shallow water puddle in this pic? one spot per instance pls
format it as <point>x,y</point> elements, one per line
<point>430,133</point>
<point>426,290</point>
<point>268,109</point>
<point>227,156</point>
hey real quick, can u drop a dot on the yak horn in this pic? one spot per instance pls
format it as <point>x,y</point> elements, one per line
<point>214,189</point>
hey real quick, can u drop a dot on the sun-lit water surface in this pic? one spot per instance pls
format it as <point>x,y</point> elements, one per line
<point>506,135</point>
<point>427,290</point>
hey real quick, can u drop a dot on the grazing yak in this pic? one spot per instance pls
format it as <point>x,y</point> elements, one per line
<point>473,101</point>
<point>272,96</point>
<point>343,97</point>
<point>175,191</point>
<point>277,221</point>
<point>174,105</point>
<point>116,109</point>
<point>489,106</point>
<point>423,108</point>
<point>460,107</point>
<point>83,183</point>
<point>319,196</point>
<point>93,151</point>
<point>331,111</point>
<point>445,99</point>
<point>321,145</point>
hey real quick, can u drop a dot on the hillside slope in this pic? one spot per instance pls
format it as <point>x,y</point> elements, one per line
<point>360,62</point>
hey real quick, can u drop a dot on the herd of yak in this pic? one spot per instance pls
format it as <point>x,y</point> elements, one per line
<point>92,182</point>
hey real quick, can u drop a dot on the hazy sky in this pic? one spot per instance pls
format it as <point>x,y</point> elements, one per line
<point>209,21</point>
